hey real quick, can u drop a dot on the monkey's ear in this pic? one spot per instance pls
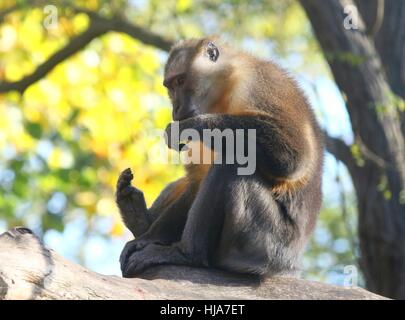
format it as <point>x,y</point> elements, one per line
<point>212,52</point>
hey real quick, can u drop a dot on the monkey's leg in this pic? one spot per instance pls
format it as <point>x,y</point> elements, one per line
<point>131,203</point>
<point>234,224</point>
<point>202,230</point>
<point>167,228</point>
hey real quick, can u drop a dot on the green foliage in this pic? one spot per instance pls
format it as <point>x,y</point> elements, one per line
<point>357,154</point>
<point>384,188</point>
<point>333,245</point>
<point>354,60</point>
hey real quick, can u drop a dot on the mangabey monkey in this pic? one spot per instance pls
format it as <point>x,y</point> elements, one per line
<point>213,217</point>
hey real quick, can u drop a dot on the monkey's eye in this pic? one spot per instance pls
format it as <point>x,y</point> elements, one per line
<point>212,52</point>
<point>175,81</point>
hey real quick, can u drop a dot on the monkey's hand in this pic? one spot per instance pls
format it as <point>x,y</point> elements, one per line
<point>131,203</point>
<point>172,136</point>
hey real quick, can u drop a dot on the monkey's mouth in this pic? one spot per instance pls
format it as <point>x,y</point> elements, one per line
<point>182,116</point>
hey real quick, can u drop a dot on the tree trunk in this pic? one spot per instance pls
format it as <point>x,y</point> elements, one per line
<point>28,270</point>
<point>388,33</point>
<point>366,76</point>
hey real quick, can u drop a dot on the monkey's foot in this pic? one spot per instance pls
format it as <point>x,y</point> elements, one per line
<point>126,192</point>
<point>124,188</point>
<point>134,246</point>
<point>132,205</point>
<point>151,255</point>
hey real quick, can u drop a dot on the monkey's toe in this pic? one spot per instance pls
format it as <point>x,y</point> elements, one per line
<point>135,264</point>
<point>129,249</point>
<point>133,269</point>
<point>134,246</point>
<point>126,175</point>
<point>124,179</point>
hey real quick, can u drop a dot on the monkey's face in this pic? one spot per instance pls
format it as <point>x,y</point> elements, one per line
<point>194,77</point>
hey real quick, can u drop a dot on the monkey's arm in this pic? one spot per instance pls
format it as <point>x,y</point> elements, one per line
<point>280,145</point>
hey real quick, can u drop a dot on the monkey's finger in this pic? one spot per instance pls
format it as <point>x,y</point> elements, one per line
<point>171,142</point>
<point>183,147</point>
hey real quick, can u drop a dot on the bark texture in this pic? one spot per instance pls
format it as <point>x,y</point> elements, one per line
<point>28,270</point>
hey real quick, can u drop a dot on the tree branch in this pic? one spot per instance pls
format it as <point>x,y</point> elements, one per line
<point>355,63</point>
<point>120,24</point>
<point>97,27</point>
<point>7,11</point>
<point>341,151</point>
<point>28,270</point>
<point>74,45</point>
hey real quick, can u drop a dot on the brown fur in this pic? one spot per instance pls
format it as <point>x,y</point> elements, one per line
<point>276,97</point>
<point>258,223</point>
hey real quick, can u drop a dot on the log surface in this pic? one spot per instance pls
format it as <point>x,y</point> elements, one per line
<point>28,270</point>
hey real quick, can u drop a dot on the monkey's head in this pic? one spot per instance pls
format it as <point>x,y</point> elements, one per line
<point>195,75</point>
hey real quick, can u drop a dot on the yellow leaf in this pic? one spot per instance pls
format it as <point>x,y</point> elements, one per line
<point>117,229</point>
<point>86,198</point>
<point>183,5</point>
